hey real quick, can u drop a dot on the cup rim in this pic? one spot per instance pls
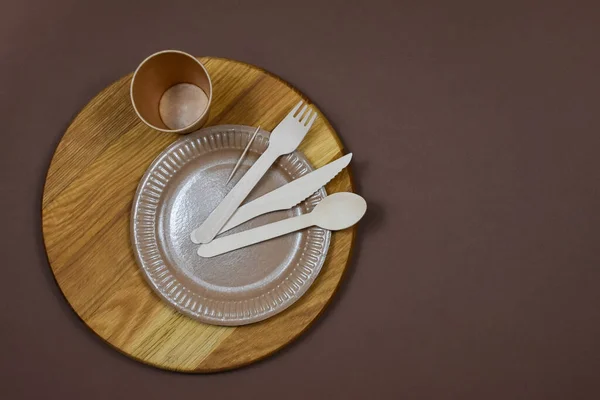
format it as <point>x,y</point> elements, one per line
<point>180,130</point>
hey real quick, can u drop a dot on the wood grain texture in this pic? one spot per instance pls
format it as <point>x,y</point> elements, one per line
<point>86,210</point>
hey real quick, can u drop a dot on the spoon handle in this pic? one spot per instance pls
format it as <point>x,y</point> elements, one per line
<point>256,235</point>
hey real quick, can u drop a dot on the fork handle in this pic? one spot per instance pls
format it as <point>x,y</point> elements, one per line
<point>220,215</point>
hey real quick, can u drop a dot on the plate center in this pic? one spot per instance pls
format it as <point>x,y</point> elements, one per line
<point>192,194</point>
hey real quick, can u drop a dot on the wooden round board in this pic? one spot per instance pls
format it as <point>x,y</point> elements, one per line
<point>86,211</point>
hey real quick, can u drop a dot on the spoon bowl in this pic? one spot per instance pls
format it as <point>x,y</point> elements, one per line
<point>339,211</point>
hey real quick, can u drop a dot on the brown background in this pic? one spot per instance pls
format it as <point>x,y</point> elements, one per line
<point>475,127</point>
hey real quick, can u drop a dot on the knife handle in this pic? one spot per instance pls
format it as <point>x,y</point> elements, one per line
<point>247,212</point>
<point>217,219</point>
<point>256,235</point>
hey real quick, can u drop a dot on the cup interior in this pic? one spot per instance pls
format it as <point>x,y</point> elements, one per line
<point>171,91</point>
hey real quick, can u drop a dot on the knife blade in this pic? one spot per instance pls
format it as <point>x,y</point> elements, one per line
<point>289,194</point>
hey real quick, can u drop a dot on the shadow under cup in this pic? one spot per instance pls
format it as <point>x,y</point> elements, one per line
<point>171,91</point>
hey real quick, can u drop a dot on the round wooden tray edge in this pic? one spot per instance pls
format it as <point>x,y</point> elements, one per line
<point>294,89</point>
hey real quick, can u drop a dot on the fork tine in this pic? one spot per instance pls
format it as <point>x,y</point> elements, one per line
<point>296,107</point>
<point>299,116</point>
<point>305,117</point>
<point>314,117</point>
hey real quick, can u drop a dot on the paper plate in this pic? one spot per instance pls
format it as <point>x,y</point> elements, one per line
<point>179,190</point>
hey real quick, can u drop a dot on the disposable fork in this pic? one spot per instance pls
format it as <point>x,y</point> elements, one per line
<point>284,139</point>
